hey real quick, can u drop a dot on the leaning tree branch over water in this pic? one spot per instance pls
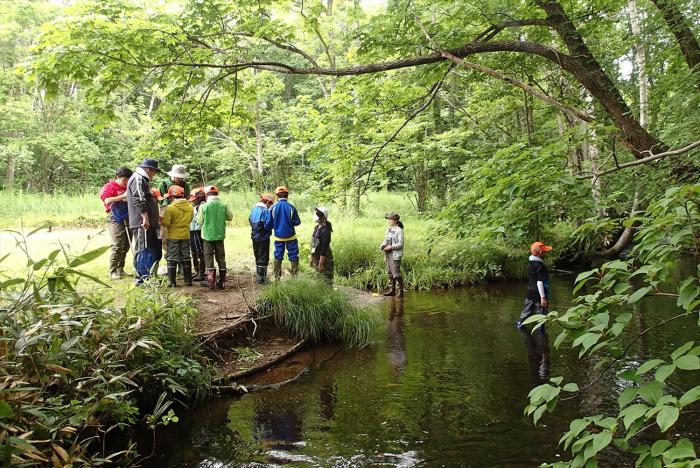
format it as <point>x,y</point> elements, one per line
<point>644,160</point>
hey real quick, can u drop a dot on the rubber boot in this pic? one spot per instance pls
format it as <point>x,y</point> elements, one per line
<point>392,288</point>
<point>295,268</point>
<point>172,274</point>
<point>187,273</point>
<point>262,274</point>
<point>277,269</point>
<point>201,268</point>
<point>400,286</point>
<point>211,278</point>
<point>222,278</point>
<point>195,264</point>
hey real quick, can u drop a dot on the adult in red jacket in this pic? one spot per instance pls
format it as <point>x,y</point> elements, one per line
<point>113,195</point>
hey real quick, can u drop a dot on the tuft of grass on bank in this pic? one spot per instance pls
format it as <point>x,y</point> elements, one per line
<point>74,366</point>
<point>309,308</point>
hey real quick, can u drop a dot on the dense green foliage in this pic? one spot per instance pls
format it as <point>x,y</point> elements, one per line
<point>520,131</point>
<point>76,365</point>
<point>311,309</point>
<point>658,393</point>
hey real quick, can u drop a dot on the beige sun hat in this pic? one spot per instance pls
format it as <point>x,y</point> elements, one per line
<point>178,171</point>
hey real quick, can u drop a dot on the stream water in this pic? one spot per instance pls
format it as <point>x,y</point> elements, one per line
<point>446,386</point>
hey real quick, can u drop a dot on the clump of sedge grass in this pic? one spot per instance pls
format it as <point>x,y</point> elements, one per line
<point>309,308</point>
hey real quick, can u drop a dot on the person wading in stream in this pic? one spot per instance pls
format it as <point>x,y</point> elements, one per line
<point>536,301</point>
<point>212,217</point>
<point>393,252</point>
<point>321,254</point>
<point>284,219</point>
<point>176,219</point>
<point>260,220</point>
<point>113,195</point>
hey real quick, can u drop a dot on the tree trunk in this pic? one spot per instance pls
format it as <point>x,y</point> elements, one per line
<point>599,84</point>
<point>10,181</point>
<point>680,28</point>
<point>331,52</point>
<point>640,58</point>
<point>151,104</point>
<point>258,141</point>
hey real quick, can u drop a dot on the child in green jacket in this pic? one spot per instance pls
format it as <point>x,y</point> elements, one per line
<point>212,217</point>
<point>176,218</point>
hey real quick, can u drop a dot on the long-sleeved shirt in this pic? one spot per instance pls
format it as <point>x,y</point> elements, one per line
<point>212,216</point>
<point>537,279</point>
<point>394,239</point>
<point>321,240</point>
<point>260,220</point>
<point>177,219</point>
<point>284,218</point>
<point>140,199</point>
<point>118,209</point>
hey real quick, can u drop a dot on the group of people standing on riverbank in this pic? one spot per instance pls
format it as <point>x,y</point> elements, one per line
<point>190,226</point>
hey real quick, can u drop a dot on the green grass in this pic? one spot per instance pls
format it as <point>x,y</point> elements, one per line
<point>432,257</point>
<point>309,308</point>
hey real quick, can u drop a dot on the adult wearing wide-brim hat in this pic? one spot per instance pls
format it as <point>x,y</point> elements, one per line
<point>392,247</point>
<point>177,175</point>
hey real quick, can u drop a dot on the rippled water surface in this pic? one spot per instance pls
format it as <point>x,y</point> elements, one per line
<point>446,386</point>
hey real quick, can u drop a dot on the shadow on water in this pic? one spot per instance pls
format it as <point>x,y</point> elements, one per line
<point>446,386</point>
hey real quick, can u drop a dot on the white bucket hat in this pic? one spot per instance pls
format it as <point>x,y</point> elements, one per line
<point>323,210</point>
<point>178,171</point>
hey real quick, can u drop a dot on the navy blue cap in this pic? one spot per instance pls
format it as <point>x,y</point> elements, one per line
<point>150,164</point>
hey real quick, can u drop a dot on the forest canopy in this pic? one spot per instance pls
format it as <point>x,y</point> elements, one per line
<point>524,114</point>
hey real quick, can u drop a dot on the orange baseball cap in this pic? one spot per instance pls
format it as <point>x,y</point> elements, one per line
<point>538,247</point>
<point>196,192</point>
<point>281,189</point>
<point>176,191</point>
<point>267,198</point>
<point>211,189</point>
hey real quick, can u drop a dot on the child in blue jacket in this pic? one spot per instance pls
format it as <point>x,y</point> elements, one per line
<point>260,220</point>
<point>284,218</point>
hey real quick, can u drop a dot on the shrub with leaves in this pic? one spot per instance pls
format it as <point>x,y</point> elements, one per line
<point>311,309</point>
<point>75,364</point>
<point>651,410</point>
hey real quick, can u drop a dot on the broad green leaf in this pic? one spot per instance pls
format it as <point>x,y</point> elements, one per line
<point>88,256</point>
<point>632,413</point>
<point>663,372</point>
<point>688,362</point>
<point>649,365</point>
<point>570,387</point>
<point>638,294</point>
<point>667,417</point>
<point>651,392</point>
<point>627,396</point>
<point>681,350</point>
<point>691,396</point>
<point>660,447</point>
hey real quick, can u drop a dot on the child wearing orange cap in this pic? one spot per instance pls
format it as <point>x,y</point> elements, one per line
<point>285,218</point>
<point>536,301</point>
<point>176,218</point>
<point>212,216</point>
